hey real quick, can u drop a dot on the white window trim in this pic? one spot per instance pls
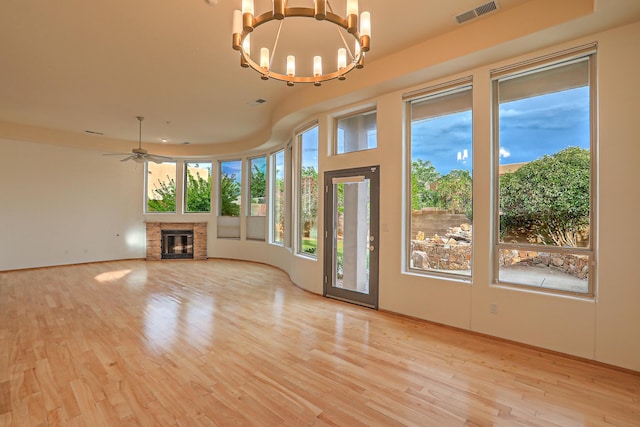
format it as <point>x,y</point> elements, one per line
<point>465,83</point>
<point>297,166</point>
<point>530,66</point>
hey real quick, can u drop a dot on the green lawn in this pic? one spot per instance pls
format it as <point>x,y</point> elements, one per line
<point>309,245</point>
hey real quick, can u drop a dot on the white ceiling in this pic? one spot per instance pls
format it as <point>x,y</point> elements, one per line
<point>79,65</point>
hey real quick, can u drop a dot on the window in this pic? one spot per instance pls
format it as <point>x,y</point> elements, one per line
<point>257,198</point>
<point>230,185</point>
<point>308,192</point>
<point>545,174</point>
<point>441,208</point>
<point>197,183</point>
<point>161,187</point>
<point>277,197</point>
<point>356,132</point>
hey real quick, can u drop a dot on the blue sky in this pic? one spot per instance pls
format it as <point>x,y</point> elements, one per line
<point>260,162</point>
<point>232,167</point>
<point>203,165</point>
<point>529,129</point>
<point>310,148</point>
<point>440,139</point>
<point>279,164</point>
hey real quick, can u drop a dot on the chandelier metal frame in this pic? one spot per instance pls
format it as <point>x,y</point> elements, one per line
<point>245,23</point>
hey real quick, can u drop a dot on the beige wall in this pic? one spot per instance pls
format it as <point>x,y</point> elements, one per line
<point>617,314</point>
<point>605,329</point>
<point>61,205</point>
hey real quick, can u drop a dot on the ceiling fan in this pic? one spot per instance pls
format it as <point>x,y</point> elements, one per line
<point>140,155</point>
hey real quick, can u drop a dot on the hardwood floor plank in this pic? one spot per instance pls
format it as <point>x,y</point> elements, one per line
<point>87,403</point>
<point>57,418</point>
<point>69,402</point>
<point>231,343</point>
<point>118,402</point>
<point>163,416</point>
<point>5,397</point>
<point>47,385</point>
<point>107,413</point>
<point>254,412</point>
<point>139,398</point>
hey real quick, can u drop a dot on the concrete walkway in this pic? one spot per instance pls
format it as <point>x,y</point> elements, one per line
<point>543,278</point>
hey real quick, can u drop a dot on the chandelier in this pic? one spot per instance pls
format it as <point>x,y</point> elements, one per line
<point>245,22</point>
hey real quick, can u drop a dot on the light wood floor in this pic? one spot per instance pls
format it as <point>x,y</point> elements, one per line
<point>227,343</point>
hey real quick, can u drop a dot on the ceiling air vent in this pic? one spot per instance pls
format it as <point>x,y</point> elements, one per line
<point>476,12</point>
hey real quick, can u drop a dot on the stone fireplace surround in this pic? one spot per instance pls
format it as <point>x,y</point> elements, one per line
<point>154,238</point>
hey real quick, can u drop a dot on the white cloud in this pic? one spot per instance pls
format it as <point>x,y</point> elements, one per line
<point>504,153</point>
<point>509,112</point>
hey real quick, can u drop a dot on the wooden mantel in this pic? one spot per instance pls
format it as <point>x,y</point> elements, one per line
<point>154,238</point>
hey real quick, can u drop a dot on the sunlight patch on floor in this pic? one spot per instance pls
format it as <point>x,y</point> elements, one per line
<point>110,276</point>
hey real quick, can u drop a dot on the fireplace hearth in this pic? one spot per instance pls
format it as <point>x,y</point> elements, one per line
<point>177,244</point>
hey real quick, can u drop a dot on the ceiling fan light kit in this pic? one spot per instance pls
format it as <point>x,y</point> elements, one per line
<point>359,27</point>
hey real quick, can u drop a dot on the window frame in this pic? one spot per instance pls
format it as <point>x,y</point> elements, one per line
<point>146,190</point>
<point>185,183</point>
<point>299,196</point>
<point>250,182</point>
<point>224,225</point>
<point>586,52</point>
<point>440,90</point>
<point>219,186</point>
<point>272,195</point>
<point>251,220</point>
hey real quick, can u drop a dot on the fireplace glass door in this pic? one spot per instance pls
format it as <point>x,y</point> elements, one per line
<point>177,244</point>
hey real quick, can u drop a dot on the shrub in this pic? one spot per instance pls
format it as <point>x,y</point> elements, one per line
<point>548,199</point>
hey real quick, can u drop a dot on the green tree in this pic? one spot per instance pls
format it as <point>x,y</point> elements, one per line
<point>424,177</point>
<point>229,195</point>
<point>309,195</point>
<point>309,207</point>
<point>549,198</point>
<point>278,207</point>
<point>198,193</point>
<point>164,196</point>
<point>454,192</point>
<point>258,185</point>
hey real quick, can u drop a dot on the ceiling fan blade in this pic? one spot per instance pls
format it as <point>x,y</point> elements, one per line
<point>158,159</point>
<point>128,158</point>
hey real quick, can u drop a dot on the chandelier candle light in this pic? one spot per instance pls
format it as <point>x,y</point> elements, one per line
<point>245,22</point>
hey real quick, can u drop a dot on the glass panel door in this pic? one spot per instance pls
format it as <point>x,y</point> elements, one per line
<point>351,235</point>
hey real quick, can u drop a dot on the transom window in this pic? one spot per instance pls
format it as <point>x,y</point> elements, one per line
<point>356,132</point>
